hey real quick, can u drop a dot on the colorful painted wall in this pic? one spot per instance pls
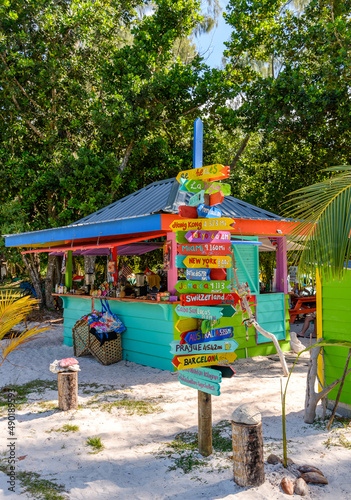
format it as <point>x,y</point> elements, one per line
<point>334,322</point>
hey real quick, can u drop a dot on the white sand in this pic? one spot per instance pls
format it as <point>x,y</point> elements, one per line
<point>128,467</point>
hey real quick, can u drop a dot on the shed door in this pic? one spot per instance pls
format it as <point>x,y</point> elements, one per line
<point>246,260</point>
<point>270,314</point>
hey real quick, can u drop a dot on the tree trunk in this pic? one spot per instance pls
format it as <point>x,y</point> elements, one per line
<point>35,277</point>
<point>67,384</point>
<point>58,264</point>
<point>49,282</point>
<point>248,454</point>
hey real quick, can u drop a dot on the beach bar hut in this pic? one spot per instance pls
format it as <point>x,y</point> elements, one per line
<point>131,225</point>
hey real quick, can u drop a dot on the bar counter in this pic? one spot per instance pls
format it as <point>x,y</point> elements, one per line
<point>149,326</point>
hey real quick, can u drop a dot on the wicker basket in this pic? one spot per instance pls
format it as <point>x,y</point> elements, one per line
<point>85,343</point>
<point>80,334</point>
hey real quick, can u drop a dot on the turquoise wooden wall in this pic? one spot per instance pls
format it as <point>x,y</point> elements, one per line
<point>246,260</point>
<point>336,319</point>
<point>149,328</point>
<point>271,315</point>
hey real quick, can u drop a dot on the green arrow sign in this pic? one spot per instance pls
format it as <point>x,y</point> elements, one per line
<point>184,286</point>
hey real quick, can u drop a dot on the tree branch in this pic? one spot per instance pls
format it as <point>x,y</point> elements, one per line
<point>127,155</point>
<point>240,150</point>
<point>30,125</point>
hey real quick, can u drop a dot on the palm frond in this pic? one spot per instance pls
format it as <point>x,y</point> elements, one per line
<point>15,343</point>
<point>322,223</point>
<point>13,310</point>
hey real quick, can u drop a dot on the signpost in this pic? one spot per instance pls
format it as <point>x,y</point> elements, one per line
<point>208,236</point>
<point>186,324</point>
<point>194,361</point>
<point>208,212</point>
<point>200,299</point>
<point>199,383</point>
<point>210,173</point>
<point>204,249</point>
<point>195,186</point>
<point>203,286</point>
<point>210,261</point>
<point>215,334</point>
<point>198,312</point>
<point>214,199</point>
<point>197,199</point>
<point>199,347</point>
<point>198,274</point>
<point>220,224</point>
<point>186,212</point>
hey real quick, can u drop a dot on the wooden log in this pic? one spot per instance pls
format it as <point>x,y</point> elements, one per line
<point>248,454</point>
<point>67,384</point>
<point>205,423</point>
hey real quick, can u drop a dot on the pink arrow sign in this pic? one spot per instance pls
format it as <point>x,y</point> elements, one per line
<point>207,236</point>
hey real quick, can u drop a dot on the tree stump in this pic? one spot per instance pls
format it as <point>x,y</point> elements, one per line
<point>248,453</point>
<point>204,423</point>
<point>67,384</point>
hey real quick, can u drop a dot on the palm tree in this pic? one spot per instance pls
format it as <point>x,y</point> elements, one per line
<point>323,213</point>
<point>14,310</point>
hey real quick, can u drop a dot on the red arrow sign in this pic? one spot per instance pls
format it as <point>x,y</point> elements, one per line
<point>188,212</point>
<point>213,199</point>
<point>208,298</point>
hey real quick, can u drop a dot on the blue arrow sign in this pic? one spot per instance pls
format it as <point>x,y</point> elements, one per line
<point>216,334</point>
<point>214,346</point>
<point>198,383</point>
<point>198,274</point>
<point>208,212</point>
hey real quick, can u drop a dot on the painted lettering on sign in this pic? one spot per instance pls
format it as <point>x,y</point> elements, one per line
<point>206,262</point>
<point>198,312</point>
<point>198,347</point>
<point>222,223</point>
<point>207,236</point>
<point>194,186</point>
<point>199,384</point>
<point>207,374</point>
<point>215,334</point>
<point>210,173</point>
<point>199,299</point>
<point>208,212</point>
<point>184,362</point>
<point>204,249</point>
<point>203,286</point>
<point>198,274</point>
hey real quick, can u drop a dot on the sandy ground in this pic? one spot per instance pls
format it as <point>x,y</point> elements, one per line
<point>135,462</point>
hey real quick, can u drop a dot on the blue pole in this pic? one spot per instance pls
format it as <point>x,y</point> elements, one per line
<point>198,143</point>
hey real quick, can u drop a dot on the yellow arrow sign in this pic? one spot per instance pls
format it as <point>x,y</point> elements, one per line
<point>220,224</point>
<point>208,359</point>
<point>186,325</point>
<point>207,261</point>
<point>211,172</point>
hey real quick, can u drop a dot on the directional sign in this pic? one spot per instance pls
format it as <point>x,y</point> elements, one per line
<point>207,374</point>
<point>209,173</point>
<point>198,274</point>
<point>223,223</point>
<point>226,371</point>
<point>194,186</point>
<point>218,274</point>
<point>200,299</point>
<point>204,249</point>
<point>184,362</point>
<point>215,334</point>
<point>205,261</point>
<point>228,311</point>
<point>213,199</point>
<point>197,199</point>
<point>198,312</point>
<point>185,211</point>
<point>208,212</point>
<point>207,236</point>
<point>198,383</point>
<point>213,346</point>
<point>185,324</point>
<point>184,286</point>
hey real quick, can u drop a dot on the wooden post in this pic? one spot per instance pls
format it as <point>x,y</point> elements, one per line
<point>248,452</point>
<point>67,384</point>
<point>205,423</point>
